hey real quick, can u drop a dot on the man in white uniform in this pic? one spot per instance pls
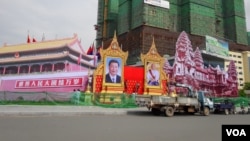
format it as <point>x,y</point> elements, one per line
<point>153,76</point>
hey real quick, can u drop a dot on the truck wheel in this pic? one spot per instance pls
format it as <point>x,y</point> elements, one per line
<point>243,111</point>
<point>206,111</point>
<point>226,111</point>
<point>169,111</point>
<point>233,111</point>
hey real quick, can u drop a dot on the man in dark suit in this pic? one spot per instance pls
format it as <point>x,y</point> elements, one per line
<point>112,76</point>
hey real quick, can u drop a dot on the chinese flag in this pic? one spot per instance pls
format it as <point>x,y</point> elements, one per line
<point>28,39</point>
<point>33,40</point>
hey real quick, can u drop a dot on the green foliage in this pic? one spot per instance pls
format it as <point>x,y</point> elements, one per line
<point>20,98</point>
<point>112,98</point>
<point>97,97</point>
<point>85,99</point>
<point>115,100</point>
<point>123,98</point>
<point>242,93</point>
<point>247,86</point>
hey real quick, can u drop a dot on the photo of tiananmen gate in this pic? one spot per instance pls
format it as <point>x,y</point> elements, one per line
<point>55,66</point>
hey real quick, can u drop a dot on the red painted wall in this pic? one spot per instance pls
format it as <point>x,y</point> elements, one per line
<point>133,76</point>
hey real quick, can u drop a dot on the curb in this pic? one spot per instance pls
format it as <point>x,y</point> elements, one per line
<point>40,114</point>
<point>16,110</point>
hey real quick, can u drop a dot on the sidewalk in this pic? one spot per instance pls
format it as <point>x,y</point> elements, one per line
<point>24,110</point>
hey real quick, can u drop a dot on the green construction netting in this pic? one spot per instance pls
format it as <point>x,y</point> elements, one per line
<point>108,100</point>
<point>115,100</point>
<point>74,98</point>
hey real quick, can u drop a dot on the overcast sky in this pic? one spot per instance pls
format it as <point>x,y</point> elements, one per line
<point>53,18</point>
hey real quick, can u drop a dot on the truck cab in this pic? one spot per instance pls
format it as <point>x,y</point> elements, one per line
<point>205,101</point>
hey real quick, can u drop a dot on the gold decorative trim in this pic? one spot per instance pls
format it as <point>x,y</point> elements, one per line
<point>153,57</point>
<point>114,51</point>
<point>99,70</point>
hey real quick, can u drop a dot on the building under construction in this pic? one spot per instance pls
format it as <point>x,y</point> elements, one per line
<point>136,22</point>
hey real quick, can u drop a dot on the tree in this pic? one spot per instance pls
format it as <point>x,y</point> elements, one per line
<point>246,89</point>
<point>242,93</point>
<point>247,86</point>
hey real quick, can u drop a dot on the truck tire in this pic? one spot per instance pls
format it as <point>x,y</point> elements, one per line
<point>169,112</point>
<point>233,111</point>
<point>226,111</point>
<point>206,111</point>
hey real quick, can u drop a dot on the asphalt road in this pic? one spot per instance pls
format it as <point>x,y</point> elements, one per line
<point>134,126</point>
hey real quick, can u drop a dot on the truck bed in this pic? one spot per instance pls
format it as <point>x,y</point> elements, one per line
<point>164,100</point>
<point>187,101</point>
<point>144,100</point>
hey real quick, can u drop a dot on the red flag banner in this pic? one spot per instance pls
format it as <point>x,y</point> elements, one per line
<point>94,53</point>
<point>28,39</point>
<point>98,53</point>
<point>90,50</point>
<point>33,40</point>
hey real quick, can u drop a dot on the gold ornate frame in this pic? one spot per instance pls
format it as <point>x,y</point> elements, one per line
<point>113,51</point>
<point>147,68</point>
<point>120,71</point>
<point>153,57</point>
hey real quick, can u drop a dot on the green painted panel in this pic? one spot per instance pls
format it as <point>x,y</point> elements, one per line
<point>207,3</point>
<point>137,18</point>
<point>113,6</point>
<point>224,18</point>
<point>174,1</point>
<point>122,1</point>
<point>157,16</point>
<point>124,18</point>
<point>173,9</point>
<point>234,7</point>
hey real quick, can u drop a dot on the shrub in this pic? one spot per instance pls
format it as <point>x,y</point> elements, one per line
<point>247,86</point>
